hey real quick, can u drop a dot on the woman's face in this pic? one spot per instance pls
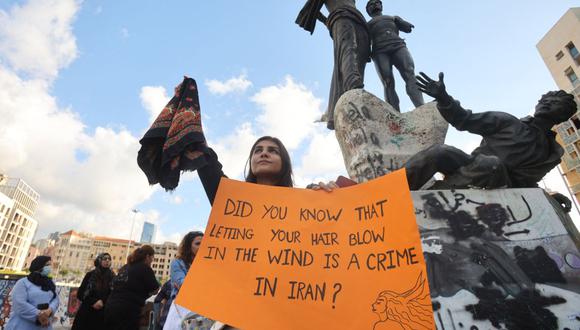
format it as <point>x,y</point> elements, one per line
<point>149,260</point>
<point>106,261</point>
<point>266,160</point>
<point>380,305</point>
<point>195,245</point>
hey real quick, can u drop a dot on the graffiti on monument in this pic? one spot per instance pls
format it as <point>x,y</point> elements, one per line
<point>5,300</point>
<point>498,259</point>
<point>68,305</point>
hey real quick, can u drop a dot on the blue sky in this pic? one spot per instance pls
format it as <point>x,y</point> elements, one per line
<point>81,81</point>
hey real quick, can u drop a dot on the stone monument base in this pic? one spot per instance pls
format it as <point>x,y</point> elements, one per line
<point>376,139</point>
<point>506,258</point>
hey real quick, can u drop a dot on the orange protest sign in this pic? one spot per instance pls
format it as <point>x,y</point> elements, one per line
<point>282,258</point>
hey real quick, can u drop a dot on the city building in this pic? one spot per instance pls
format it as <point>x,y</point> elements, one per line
<point>71,252</point>
<point>559,49</point>
<point>18,203</point>
<point>33,252</point>
<point>148,233</point>
<point>74,253</point>
<point>164,254</point>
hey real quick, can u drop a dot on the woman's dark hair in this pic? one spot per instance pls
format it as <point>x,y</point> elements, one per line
<point>140,254</point>
<point>285,177</point>
<point>184,250</point>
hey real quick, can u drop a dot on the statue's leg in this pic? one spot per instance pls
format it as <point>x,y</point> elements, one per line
<point>385,70</point>
<point>404,63</point>
<point>345,34</point>
<point>437,158</point>
<point>350,55</point>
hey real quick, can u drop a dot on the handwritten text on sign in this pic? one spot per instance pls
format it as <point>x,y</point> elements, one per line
<point>281,258</point>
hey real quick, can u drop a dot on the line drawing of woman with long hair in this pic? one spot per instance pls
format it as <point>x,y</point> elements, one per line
<point>409,310</point>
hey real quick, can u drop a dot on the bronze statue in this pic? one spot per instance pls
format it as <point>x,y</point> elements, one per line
<point>514,153</point>
<point>389,49</point>
<point>350,37</point>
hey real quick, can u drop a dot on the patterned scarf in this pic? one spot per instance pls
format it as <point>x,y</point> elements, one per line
<point>175,141</point>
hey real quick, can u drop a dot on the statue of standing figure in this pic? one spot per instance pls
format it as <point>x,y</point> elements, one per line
<point>389,49</point>
<point>351,42</point>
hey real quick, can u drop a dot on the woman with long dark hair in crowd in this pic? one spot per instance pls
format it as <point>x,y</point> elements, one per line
<point>34,298</point>
<point>131,287</point>
<point>93,293</point>
<point>178,270</point>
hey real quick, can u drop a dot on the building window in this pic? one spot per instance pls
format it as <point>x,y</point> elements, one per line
<point>576,122</point>
<point>570,130</point>
<point>574,52</point>
<point>559,55</point>
<point>571,75</point>
<point>573,155</point>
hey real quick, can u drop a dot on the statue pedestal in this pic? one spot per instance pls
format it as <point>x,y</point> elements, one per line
<point>375,139</point>
<point>505,258</point>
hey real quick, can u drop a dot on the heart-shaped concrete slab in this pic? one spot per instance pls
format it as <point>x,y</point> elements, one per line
<point>375,139</point>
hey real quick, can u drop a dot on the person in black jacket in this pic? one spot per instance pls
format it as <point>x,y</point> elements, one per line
<point>134,283</point>
<point>93,294</point>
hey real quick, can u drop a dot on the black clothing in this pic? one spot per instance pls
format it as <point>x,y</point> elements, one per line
<point>164,293</point>
<point>210,174</point>
<point>131,287</point>
<point>44,282</point>
<point>89,293</point>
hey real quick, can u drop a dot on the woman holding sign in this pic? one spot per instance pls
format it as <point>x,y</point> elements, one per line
<point>269,164</point>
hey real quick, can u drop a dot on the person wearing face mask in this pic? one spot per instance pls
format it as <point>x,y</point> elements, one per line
<point>93,293</point>
<point>134,283</point>
<point>34,298</point>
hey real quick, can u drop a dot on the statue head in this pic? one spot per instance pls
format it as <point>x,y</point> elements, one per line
<point>556,107</point>
<point>374,7</point>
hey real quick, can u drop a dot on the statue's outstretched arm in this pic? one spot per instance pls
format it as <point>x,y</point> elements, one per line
<point>403,25</point>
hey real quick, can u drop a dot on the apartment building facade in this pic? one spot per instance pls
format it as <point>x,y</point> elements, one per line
<point>18,203</point>
<point>560,50</point>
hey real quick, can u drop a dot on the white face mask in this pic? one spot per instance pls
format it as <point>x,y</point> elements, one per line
<point>45,270</point>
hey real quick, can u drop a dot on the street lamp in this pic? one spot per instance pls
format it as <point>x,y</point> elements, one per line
<point>135,211</point>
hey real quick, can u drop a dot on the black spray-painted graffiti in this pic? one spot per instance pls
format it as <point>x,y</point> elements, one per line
<point>474,251</point>
<point>492,216</point>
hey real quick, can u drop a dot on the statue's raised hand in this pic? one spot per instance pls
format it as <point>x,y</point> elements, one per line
<point>435,89</point>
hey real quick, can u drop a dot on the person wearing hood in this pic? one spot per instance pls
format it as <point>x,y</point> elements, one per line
<point>34,298</point>
<point>93,293</point>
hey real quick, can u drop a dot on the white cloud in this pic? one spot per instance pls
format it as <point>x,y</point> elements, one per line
<point>88,181</point>
<point>233,150</point>
<point>153,99</point>
<point>288,112</point>
<point>235,84</point>
<point>176,200</point>
<point>125,33</point>
<point>36,38</point>
<point>322,161</point>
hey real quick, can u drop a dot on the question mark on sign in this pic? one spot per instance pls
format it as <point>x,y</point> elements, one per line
<point>337,287</point>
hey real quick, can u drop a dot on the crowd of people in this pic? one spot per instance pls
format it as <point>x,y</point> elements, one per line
<point>115,301</point>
